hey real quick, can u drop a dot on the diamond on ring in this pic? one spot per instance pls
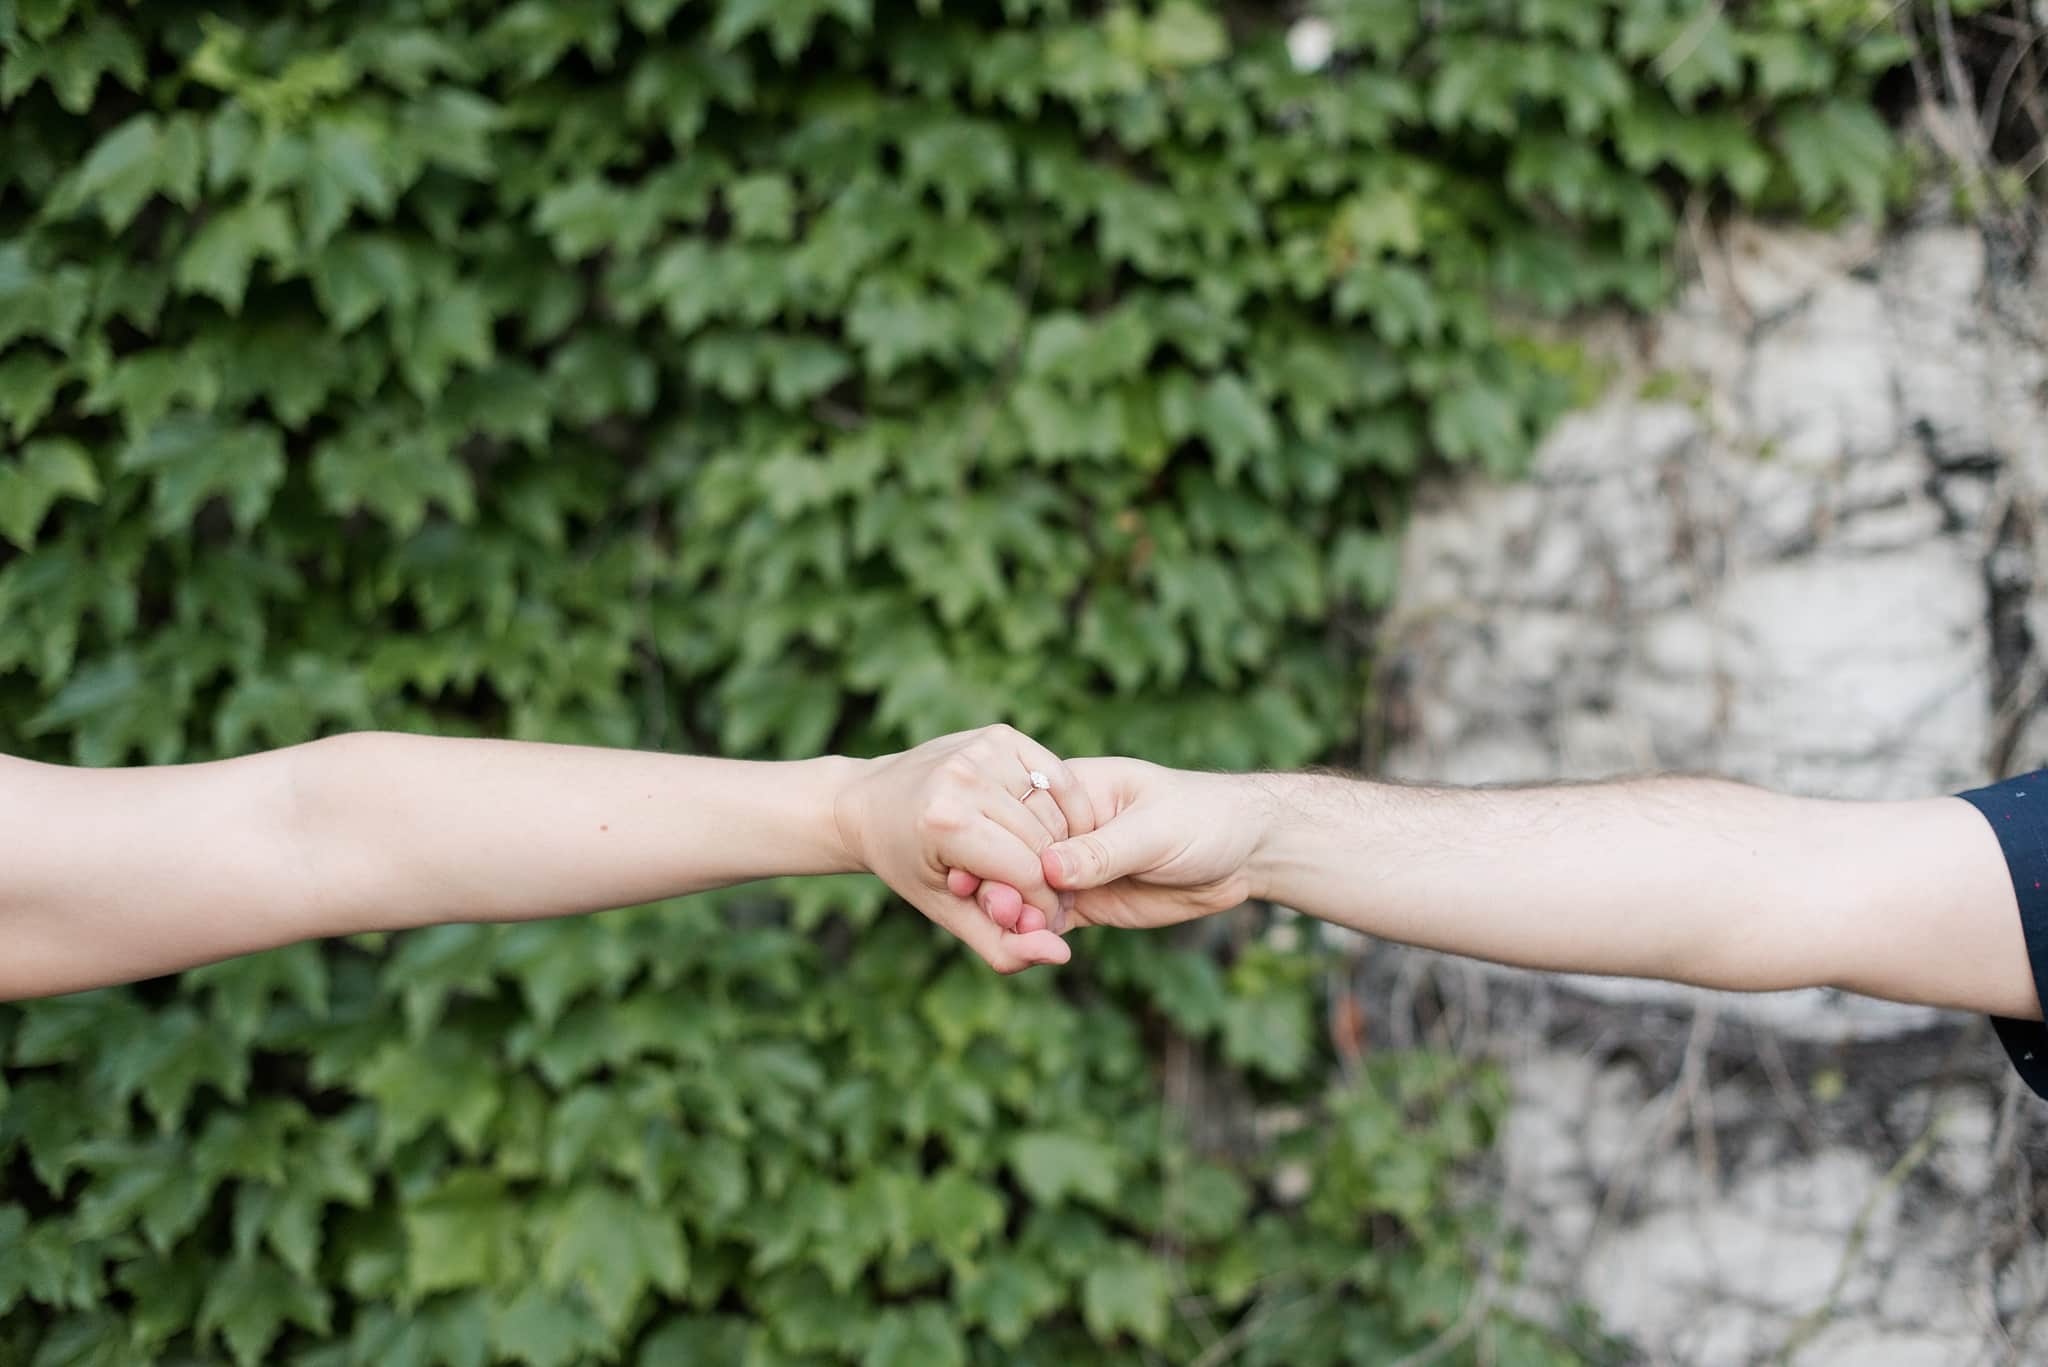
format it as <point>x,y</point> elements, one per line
<point>1039,780</point>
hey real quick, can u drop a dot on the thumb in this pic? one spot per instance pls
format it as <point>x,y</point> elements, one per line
<point>1125,846</point>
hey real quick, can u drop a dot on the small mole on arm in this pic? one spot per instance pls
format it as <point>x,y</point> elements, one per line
<point>604,828</point>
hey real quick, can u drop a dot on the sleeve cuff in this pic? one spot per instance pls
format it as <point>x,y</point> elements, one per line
<point>2017,811</point>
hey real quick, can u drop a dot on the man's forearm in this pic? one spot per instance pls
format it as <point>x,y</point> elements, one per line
<point>1693,880</point>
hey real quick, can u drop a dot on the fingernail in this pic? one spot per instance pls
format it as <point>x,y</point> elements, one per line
<point>1059,860</point>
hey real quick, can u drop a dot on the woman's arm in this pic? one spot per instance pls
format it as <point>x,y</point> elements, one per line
<point>115,874</point>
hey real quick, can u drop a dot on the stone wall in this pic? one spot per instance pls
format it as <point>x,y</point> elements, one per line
<point>1794,545</point>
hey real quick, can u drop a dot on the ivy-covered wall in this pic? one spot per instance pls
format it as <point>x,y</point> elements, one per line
<point>769,376</point>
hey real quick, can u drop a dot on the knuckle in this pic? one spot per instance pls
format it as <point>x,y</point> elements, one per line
<point>941,818</point>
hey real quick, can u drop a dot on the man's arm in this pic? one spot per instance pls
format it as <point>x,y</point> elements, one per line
<point>1692,880</point>
<point>117,874</point>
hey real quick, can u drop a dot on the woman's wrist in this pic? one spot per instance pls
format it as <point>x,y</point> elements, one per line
<point>837,810</point>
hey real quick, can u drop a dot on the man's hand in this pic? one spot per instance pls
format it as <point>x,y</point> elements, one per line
<point>967,801</point>
<point>1170,846</point>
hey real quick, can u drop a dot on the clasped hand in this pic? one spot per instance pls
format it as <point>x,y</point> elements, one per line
<point>958,829</point>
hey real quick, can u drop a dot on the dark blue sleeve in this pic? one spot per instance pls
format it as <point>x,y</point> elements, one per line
<point>2018,812</point>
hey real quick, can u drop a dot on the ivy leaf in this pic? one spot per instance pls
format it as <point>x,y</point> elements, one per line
<point>589,214</point>
<point>763,207</point>
<point>801,368</point>
<point>600,375</point>
<point>541,1330</point>
<point>94,1339</point>
<point>48,1263</point>
<point>1268,1031</point>
<point>699,1338</point>
<point>1383,220</point>
<point>140,1186</point>
<point>28,386</point>
<point>451,327</point>
<point>468,1231</point>
<point>651,15</point>
<point>145,385</point>
<point>180,1056</point>
<point>441,1079</point>
<point>1183,34</point>
<point>1699,54</point>
<point>452,129</point>
<point>556,961</point>
<point>45,471</point>
<point>922,1336</point>
<point>397,471</point>
<point>715,1172</point>
<point>788,23</point>
<point>1837,146</point>
<point>110,709</point>
<point>73,61</point>
<point>165,1290</point>
<point>1472,421</point>
<point>1787,63</point>
<point>895,323</point>
<point>288,1218</point>
<point>218,259</point>
<point>1211,1201</point>
<point>612,1248</point>
<point>41,18</point>
<point>961,158</point>
<point>252,1300</point>
<point>191,458</point>
<point>344,171</point>
<point>1127,1290</point>
<point>39,301</point>
<point>1008,1295</point>
<point>1187,986</point>
<point>120,174</point>
<point>956,1214</point>
<point>1236,422</point>
<point>359,273</point>
<point>249,1143</point>
<point>1051,1165</point>
<point>1367,565</point>
<point>1698,144</point>
<point>312,693</point>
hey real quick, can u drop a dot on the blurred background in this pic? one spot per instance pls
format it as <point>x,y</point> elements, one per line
<point>1481,392</point>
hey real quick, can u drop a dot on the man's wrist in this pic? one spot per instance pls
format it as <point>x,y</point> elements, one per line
<point>1260,803</point>
<point>1305,825</point>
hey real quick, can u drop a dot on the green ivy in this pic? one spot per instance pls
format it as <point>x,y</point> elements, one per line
<point>769,376</point>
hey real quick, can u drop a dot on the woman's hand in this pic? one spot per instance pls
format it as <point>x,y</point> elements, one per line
<point>969,801</point>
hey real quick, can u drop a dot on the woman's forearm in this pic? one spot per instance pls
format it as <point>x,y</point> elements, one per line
<point>118,874</point>
<point>115,874</point>
<point>402,830</point>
